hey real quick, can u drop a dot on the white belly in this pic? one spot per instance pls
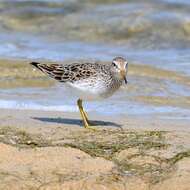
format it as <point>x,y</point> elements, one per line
<point>87,90</point>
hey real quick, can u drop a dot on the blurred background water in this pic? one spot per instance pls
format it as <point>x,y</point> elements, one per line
<point>154,35</point>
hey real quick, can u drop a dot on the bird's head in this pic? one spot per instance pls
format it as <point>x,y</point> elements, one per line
<point>120,67</point>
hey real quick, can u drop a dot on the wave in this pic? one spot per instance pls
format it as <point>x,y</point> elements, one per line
<point>13,104</point>
<point>139,24</point>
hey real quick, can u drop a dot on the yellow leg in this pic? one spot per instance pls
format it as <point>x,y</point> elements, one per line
<point>83,115</point>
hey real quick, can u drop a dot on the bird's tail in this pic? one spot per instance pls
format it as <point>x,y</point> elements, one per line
<point>35,64</point>
<point>53,70</point>
<point>43,67</point>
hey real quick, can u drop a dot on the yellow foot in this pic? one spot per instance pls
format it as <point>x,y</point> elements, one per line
<point>90,127</point>
<point>84,116</point>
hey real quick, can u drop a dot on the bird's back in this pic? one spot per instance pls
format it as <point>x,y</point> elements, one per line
<point>69,72</point>
<point>93,79</point>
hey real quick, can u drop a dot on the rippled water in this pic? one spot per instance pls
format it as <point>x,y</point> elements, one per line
<point>153,35</point>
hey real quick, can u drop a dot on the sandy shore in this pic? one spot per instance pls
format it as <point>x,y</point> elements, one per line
<point>50,150</point>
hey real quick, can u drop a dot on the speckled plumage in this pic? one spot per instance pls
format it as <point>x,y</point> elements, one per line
<point>96,79</point>
<point>89,80</point>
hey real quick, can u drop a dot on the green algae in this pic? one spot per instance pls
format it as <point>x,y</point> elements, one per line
<point>109,144</point>
<point>21,138</point>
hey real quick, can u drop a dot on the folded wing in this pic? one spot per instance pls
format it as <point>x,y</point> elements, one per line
<point>67,73</point>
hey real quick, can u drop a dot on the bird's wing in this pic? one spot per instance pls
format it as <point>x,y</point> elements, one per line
<point>67,73</point>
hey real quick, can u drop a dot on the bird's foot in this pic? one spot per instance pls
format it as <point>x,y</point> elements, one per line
<point>90,127</point>
<point>84,116</point>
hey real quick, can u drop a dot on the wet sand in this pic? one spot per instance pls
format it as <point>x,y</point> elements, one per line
<point>51,150</point>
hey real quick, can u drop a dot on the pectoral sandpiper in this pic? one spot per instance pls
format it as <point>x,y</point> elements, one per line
<point>89,80</point>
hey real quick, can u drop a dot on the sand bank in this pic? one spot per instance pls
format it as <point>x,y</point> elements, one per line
<point>50,150</point>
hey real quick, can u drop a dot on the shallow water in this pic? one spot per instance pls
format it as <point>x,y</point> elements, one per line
<point>153,35</point>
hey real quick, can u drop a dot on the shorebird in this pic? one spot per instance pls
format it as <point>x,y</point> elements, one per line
<point>89,80</point>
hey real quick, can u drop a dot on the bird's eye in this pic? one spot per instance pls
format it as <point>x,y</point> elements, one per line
<point>114,64</point>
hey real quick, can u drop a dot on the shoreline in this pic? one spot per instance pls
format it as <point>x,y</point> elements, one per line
<point>27,118</point>
<point>51,150</point>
